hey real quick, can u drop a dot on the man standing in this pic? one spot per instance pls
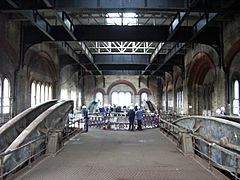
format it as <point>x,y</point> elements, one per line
<point>131,117</point>
<point>139,116</point>
<point>85,116</point>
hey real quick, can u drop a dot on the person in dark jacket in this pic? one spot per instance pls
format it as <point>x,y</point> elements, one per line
<point>85,116</point>
<point>139,117</point>
<point>131,117</point>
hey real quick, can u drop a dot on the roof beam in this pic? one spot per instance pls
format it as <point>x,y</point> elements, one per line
<point>140,5</point>
<point>198,27</point>
<point>202,23</point>
<point>156,51</point>
<point>13,3</point>
<point>174,26</point>
<point>69,27</point>
<point>27,5</point>
<point>121,72</point>
<point>46,28</point>
<point>67,23</point>
<point>169,55</point>
<point>121,33</point>
<point>139,67</point>
<point>122,4</point>
<point>176,23</point>
<point>39,22</point>
<point>122,59</point>
<point>49,3</point>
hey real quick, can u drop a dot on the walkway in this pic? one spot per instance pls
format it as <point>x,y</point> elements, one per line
<point>119,155</point>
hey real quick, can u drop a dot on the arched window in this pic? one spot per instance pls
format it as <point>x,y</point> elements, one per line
<point>46,92</point>
<point>64,94</point>
<point>99,98</point>
<point>236,101</point>
<point>6,96</point>
<point>5,100</point>
<point>164,105</point>
<point>180,101</point>
<point>33,94</point>
<point>50,92</point>
<point>122,98</point>
<point>38,94</point>
<point>144,97</point>
<point>128,101</point>
<point>42,93</point>
<point>170,100</point>
<point>115,98</point>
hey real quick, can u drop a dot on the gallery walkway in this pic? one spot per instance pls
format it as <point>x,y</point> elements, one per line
<point>119,155</point>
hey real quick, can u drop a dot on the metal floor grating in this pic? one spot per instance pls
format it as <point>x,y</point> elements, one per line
<point>119,155</point>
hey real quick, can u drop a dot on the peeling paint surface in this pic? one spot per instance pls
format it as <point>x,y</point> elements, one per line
<point>219,133</point>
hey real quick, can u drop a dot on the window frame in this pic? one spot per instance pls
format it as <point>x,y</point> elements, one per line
<point>42,92</point>
<point>235,100</point>
<point>118,103</point>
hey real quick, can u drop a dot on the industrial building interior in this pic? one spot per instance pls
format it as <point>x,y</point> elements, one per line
<point>177,61</point>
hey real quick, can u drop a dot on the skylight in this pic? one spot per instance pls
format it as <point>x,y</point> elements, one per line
<point>122,19</point>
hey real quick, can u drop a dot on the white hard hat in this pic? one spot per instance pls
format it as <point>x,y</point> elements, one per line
<point>84,106</point>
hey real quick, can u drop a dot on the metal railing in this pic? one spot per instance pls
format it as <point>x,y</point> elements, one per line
<point>73,125</point>
<point>31,155</point>
<point>170,129</point>
<point>33,150</point>
<point>170,117</point>
<point>149,121</point>
<point>212,161</point>
<point>211,148</point>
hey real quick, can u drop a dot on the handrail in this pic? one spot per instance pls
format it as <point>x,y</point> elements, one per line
<point>217,119</point>
<point>33,126</point>
<point>171,128</point>
<point>54,118</point>
<point>22,146</point>
<point>210,159</point>
<point>14,126</point>
<point>29,158</point>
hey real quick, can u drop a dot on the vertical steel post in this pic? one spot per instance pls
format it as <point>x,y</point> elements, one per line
<point>209,156</point>
<point>236,167</point>
<point>1,167</point>
<point>31,154</point>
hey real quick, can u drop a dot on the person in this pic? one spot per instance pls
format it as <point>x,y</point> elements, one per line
<point>139,116</point>
<point>218,112</point>
<point>131,117</point>
<point>222,111</point>
<point>102,111</point>
<point>85,117</point>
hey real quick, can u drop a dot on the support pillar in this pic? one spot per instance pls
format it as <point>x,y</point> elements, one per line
<point>54,141</point>
<point>186,144</point>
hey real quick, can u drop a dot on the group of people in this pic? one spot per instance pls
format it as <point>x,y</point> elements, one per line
<point>132,113</point>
